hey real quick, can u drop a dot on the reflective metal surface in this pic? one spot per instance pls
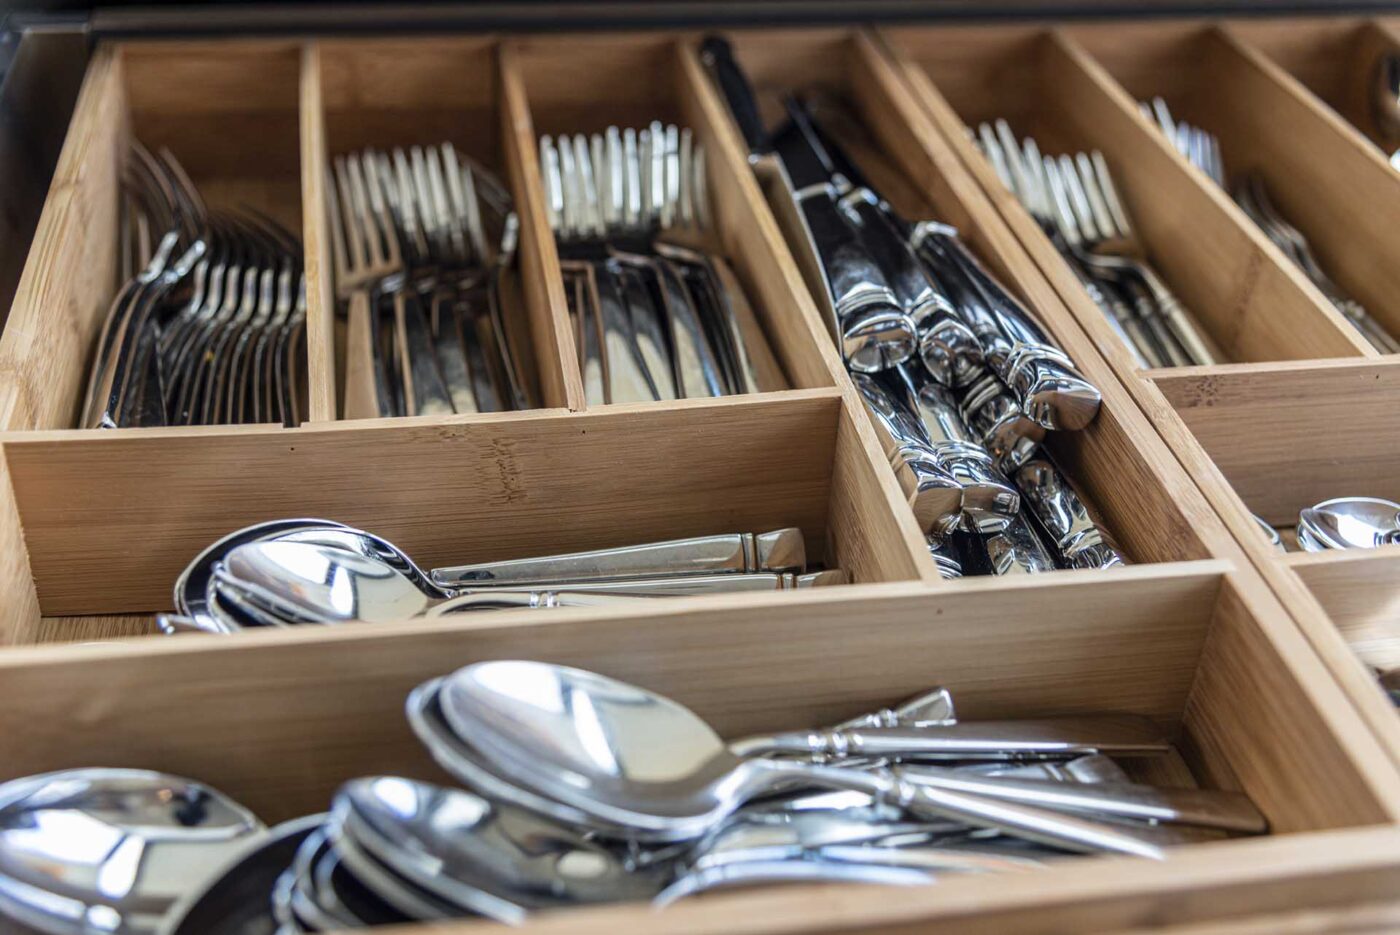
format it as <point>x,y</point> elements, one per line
<point>110,849</point>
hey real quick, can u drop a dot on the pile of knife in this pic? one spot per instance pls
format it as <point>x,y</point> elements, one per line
<point>961,379</point>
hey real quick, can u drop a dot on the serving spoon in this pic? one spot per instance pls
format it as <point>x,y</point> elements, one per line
<point>110,850</point>
<point>639,761</point>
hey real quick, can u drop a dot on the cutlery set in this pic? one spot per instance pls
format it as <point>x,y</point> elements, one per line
<point>1075,201</point>
<point>311,571</point>
<point>656,315</point>
<point>423,239</point>
<point>1251,193</point>
<point>567,798</point>
<point>209,326</point>
<point>1342,523</point>
<point>962,381</point>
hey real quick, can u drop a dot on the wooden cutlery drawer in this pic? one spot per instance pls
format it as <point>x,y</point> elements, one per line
<point>284,719</point>
<point>535,471</point>
<point>1270,445</point>
<point>97,525</point>
<point>1249,301</point>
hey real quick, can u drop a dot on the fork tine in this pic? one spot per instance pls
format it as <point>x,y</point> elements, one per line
<point>1110,194</point>
<point>1011,152</point>
<point>553,184</point>
<point>1103,220</point>
<point>335,220</point>
<point>353,232</point>
<point>1078,200</point>
<point>1063,213</point>
<point>687,179</point>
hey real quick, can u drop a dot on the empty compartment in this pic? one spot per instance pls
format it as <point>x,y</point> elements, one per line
<point>502,487</point>
<point>493,350</point>
<point>1116,461</point>
<point>228,113</point>
<point>1249,302</point>
<point>283,722</point>
<point>598,92</point>
<point>1286,159</point>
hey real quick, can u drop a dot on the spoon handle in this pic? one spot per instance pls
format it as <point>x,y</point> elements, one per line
<point>781,550</point>
<point>1119,735</point>
<point>1027,822</point>
<point>1205,808</point>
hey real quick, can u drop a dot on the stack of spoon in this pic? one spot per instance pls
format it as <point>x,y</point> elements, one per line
<point>313,571</point>
<point>569,800</point>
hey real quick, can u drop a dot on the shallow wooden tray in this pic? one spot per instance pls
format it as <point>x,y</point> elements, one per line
<point>1273,433</point>
<point>97,524</point>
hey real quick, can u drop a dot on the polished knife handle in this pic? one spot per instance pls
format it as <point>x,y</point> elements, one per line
<point>875,332</point>
<point>718,58</point>
<point>1117,735</point>
<point>1076,538</point>
<point>902,270</point>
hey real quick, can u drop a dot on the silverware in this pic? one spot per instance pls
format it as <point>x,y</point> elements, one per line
<point>211,330</point>
<point>1349,523</point>
<point>781,550</point>
<point>679,792</point>
<point>110,849</point>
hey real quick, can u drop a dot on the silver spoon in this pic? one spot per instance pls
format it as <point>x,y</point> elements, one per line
<point>633,759</point>
<point>192,584</point>
<point>237,900</point>
<point>1349,523</point>
<point>301,581</point>
<point>485,856</point>
<point>110,849</point>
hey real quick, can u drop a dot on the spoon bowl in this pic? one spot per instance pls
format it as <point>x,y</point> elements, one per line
<point>114,848</point>
<point>327,583</point>
<point>1349,523</point>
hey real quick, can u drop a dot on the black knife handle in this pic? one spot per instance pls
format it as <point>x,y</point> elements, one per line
<point>718,58</point>
<point>876,333</point>
<point>904,274</point>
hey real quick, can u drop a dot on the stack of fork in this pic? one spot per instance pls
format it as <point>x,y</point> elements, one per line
<point>1075,201</point>
<point>1202,149</point>
<point>210,324</point>
<point>422,239</point>
<point>656,315</point>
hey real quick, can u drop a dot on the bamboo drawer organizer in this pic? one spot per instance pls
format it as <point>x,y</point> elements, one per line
<point>98,524</point>
<point>1299,417</point>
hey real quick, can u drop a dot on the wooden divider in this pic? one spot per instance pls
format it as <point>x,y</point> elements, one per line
<point>1334,57</point>
<point>1236,284</point>
<point>321,353</point>
<point>1324,177</point>
<point>108,519</point>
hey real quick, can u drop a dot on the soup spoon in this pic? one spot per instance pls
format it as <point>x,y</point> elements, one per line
<point>1349,523</point>
<point>110,849</point>
<point>639,761</point>
<point>192,584</point>
<point>302,581</point>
